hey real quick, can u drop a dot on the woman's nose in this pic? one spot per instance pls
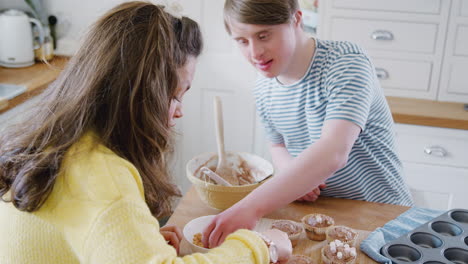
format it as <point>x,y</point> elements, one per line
<point>178,113</point>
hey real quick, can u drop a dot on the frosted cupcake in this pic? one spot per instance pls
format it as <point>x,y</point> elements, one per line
<point>292,228</point>
<point>300,259</point>
<point>316,226</point>
<point>337,252</point>
<point>342,233</point>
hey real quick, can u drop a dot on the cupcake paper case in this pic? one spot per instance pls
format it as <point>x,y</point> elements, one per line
<point>316,226</point>
<point>300,259</point>
<point>292,228</point>
<point>337,252</point>
<point>343,233</point>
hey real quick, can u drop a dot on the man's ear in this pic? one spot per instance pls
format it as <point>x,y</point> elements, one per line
<point>297,19</point>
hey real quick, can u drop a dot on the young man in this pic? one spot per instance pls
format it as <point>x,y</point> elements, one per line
<point>324,113</point>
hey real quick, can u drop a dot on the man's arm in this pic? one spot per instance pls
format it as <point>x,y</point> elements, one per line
<point>281,158</point>
<point>304,173</point>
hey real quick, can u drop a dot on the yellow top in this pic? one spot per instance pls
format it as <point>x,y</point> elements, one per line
<point>96,213</point>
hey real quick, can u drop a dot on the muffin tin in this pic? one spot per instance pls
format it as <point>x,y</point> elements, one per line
<point>443,239</point>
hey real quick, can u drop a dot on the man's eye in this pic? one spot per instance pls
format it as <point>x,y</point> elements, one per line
<point>263,36</point>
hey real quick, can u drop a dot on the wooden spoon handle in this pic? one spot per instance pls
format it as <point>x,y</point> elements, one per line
<point>218,109</point>
<point>3,103</point>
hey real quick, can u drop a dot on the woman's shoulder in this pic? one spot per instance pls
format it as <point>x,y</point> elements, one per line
<point>94,171</point>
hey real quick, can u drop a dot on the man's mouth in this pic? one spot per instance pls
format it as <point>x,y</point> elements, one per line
<point>264,65</point>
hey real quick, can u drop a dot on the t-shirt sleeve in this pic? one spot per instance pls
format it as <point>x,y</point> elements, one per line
<point>350,89</point>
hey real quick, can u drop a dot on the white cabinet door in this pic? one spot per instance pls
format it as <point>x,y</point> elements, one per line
<point>437,187</point>
<point>454,78</point>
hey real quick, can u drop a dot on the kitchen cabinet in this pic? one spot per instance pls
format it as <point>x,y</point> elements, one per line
<point>419,48</point>
<point>454,78</point>
<point>435,162</point>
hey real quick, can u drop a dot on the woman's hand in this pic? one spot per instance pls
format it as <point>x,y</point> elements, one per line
<point>172,235</point>
<point>227,222</point>
<point>282,242</point>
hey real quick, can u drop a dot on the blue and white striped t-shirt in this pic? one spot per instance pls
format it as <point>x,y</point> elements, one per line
<point>339,84</point>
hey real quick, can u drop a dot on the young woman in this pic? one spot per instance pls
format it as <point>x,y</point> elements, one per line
<point>83,180</point>
<point>323,110</point>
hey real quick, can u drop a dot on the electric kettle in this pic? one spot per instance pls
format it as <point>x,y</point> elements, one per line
<point>16,39</point>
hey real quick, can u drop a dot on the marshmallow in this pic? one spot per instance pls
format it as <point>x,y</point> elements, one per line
<point>346,246</point>
<point>339,255</point>
<point>319,219</point>
<point>353,252</point>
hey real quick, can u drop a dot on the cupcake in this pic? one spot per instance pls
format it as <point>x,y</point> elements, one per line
<point>337,252</point>
<point>300,259</point>
<point>292,228</point>
<point>316,225</point>
<point>342,233</point>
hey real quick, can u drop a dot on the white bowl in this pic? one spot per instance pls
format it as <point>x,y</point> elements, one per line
<point>196,225</point>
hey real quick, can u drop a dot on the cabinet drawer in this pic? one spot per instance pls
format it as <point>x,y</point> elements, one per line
<point>413,6</point>
<point>433,148</point>
<point>461,40</point>
<point>400,74</point>
<point>386,35</point>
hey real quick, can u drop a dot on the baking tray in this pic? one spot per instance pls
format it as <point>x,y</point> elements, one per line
<point>443,239</point>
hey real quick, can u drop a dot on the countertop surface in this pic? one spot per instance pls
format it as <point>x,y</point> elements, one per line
<point>36,78</point>
<point>428,113</point>
<point>404,110</point>
<point>355,214</point>
<point>359,215</point>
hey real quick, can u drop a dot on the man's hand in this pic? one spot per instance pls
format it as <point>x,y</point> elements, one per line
<point>313,195</point>
<point>172,235</point>
<point>227,222</point>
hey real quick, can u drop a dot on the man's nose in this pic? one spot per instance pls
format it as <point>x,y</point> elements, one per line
<point>256,50</point>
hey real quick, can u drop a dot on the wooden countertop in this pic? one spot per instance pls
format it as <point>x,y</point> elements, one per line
<point>359,215</point>
<point>428,113</point>
<point>404,110</point>
<point>356,214</point>
<point>36,78</point>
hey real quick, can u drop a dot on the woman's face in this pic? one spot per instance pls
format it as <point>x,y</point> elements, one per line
<point>185,73</point>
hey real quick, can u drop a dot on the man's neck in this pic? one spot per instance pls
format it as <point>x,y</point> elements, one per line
<point>301,61</point>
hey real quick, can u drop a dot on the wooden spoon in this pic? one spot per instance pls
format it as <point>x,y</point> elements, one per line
<point>222,169</point>
<point>3,103</point>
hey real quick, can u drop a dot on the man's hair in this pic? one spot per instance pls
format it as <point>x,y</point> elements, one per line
<point>259,12</point>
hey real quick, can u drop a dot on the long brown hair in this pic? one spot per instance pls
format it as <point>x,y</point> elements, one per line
<point>259,12</point>
<point>119,84</point>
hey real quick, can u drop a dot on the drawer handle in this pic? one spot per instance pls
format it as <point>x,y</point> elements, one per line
<point>435,151</point>
<point>382,74</point>
<point>382,35</point>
